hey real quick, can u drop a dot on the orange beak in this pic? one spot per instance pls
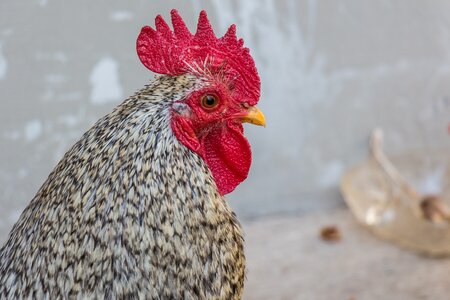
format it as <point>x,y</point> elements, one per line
<point>254,116</point>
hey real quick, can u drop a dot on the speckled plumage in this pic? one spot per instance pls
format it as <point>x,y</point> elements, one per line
<point>129,212</point>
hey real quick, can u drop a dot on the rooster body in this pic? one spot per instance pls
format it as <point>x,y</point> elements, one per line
<point>162,230</point>
<point>135,209</point>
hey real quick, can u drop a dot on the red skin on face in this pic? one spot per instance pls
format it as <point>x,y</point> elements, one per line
<point>217,136</point>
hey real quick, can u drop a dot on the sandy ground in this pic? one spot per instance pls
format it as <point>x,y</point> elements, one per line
<point>288,260</point>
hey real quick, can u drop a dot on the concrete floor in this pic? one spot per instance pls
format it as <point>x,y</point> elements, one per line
<point>288,260</point>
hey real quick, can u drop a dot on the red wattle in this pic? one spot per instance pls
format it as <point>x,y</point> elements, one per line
<point>228,155</point>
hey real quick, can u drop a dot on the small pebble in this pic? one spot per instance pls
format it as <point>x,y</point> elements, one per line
<point>331,233</point>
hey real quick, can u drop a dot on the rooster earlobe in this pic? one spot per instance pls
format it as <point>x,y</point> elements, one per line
<point>182,128</point>
<point>182,109</point>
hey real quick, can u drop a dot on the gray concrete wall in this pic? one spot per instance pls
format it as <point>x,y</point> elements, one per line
<point>330,70</point>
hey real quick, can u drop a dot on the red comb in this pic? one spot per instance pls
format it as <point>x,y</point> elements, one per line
<point>170,52</point>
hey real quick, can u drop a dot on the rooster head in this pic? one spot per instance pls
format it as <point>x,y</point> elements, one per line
<point>208,120</point>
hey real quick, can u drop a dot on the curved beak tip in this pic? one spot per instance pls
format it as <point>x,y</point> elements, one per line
<point>255,116</point>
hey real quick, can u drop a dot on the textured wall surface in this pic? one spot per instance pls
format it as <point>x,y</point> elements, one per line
<point>330,70</point>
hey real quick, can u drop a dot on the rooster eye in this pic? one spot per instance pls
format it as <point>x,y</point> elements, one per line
<point>209,101</point>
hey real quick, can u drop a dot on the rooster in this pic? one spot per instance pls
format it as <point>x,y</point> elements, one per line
<point>135,209</point>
